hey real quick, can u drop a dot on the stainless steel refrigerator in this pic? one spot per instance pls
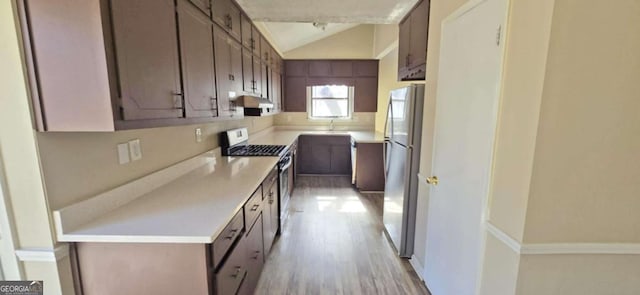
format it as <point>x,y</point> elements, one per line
<point>403,132</point>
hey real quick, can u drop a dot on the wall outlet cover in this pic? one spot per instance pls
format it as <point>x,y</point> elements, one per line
<point>123,153</point>
<point>198,134</point>
<point>135,151</point>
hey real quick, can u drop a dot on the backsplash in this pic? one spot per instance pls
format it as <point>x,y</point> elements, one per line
<point>79,165</point>
<point>361,121</point>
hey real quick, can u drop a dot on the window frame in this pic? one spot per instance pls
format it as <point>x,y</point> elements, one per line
<point>350,99</point>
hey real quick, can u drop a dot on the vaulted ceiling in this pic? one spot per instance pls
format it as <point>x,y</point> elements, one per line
<point>328,11</point>
<point>289,22</point>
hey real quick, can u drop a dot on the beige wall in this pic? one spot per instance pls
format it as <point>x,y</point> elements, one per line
<point>579,275</point>
<point>385,38</point>
<point>353,43</point>
<point>585,184</point>
<point>80,165</point>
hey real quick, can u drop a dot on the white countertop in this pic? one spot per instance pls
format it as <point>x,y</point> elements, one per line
<point>190,202</point>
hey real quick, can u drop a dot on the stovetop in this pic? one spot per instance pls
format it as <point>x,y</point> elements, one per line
<point>256,150</point>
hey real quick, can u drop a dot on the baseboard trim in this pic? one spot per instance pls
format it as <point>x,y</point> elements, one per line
<point>43,254</point>
<point>417,266</point>
<point>562,248</point>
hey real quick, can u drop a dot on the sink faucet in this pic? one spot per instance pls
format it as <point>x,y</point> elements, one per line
<point>331,125</point>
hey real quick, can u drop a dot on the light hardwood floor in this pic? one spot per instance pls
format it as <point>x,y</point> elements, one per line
<point>333,243</point>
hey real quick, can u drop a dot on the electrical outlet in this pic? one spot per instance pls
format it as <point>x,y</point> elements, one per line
<point>198,134</point>
<point>135,151</point>
<point>123,153</point>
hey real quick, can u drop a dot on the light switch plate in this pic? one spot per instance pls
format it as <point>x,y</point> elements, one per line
<point>134,150</point>
<point>123,153</point>
<point>198,134</point>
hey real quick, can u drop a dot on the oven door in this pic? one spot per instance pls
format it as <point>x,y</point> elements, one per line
<point>285,170</point>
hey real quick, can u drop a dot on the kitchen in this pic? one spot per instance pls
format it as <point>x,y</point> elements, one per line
<point>239,147</point>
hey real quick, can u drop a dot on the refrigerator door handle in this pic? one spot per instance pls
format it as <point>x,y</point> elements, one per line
<point>385,158</point>
<point>387,134</point>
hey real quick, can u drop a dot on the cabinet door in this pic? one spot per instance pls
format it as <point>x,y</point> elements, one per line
<point>247,71</point>
<point>146,45</point>
<point>404,42</point>
<point>247,28</point>
<point>223,71</point>
<point>319,68</point>
<point>295,94</point>
<point>419,34</point>
<point>271,219</point>
<point>236,67</point>
<point>220,12</point>
<point>234,21</point>
<point>341,68</point>
<point>264,81</point>
<point>365,68</point>
<point>203,5</point>
<point>257,75</point>
<point>198,69</point>
<point>255,256</point>
<point>366,95</point>
<point>297,68</point>
<point>341,159</point>
<point>257,46</point>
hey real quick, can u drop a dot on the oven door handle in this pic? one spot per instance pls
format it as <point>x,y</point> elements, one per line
<point>287,165</point>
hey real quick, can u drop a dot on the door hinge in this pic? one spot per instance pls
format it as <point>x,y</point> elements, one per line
<point>498,35</point>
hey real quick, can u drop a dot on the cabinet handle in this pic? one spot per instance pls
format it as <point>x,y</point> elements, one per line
<point>257,255</point>
<point>229,22</point>
<point>237,272</point>
<point>233,234</point>
<point>255,207</point>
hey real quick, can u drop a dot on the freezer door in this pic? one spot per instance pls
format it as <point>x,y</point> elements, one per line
<point>395,194</point>
<point>400,106</point>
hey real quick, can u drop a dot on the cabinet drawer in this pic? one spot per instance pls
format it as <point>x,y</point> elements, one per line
<point>272,177</point>
<point>255,256</point>
<point>253,207</point>
<point>228,235</point>
<point>233,271</point>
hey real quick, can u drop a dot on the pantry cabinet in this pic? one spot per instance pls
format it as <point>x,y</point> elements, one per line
<point>412,43</point>
<point>130,64</point>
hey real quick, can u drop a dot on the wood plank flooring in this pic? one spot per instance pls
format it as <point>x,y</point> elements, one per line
<point>333,243</point>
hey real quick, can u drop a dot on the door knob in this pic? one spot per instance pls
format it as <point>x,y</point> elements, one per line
<point>432,180</point>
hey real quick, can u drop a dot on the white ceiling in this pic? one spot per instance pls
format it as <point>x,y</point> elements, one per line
<point>288,36</point>
<point>328,11</point>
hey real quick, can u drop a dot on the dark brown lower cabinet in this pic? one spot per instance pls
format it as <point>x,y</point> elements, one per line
<point>324,154</point>
<point>370,167</point>
<point>270,214</point>
<point>254,257</point>
<point>233,271</point>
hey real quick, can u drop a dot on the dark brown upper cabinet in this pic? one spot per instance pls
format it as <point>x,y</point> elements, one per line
<point>203,5</point>
<point>365,94</point>
<point>256,40</point>
<point>228,58</point>
<point>365,68</point>
<point>295,94</point>
<point>106,65</point>
<point>226,14</point>
<point>412,47</point>
<point>248,84</point>
<point>247,29</point>
<point>198,68</point>
<point>341,68</point>
<point>319,68</point>
<point>296,68</point>
<point>266,51</point>
<point>362,74</point>
<point>146,44</point>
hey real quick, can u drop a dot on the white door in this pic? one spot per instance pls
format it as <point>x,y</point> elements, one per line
<point>466,111</point>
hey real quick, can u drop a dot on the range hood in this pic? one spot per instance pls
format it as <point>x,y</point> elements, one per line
<point>255,106</point>
<point>253,102</point>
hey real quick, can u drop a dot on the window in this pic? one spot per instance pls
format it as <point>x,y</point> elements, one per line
<point>330,102</point>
